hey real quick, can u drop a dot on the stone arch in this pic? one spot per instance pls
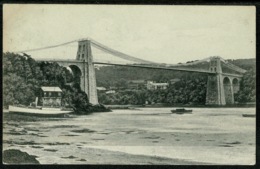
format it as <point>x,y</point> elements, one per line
<point>76,72</point>
<point>228,90</point>
<point>67,74</point>
<point>235,84</point>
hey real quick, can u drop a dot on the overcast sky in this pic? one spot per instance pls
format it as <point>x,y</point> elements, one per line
<point>166,34</point>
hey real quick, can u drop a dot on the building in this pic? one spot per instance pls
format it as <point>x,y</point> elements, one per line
<point>155,86</point>
<point>136,84</point>
<point>101,89</point>
<point>173,81</point>
<point>51,97</point>
<point>110,92</point>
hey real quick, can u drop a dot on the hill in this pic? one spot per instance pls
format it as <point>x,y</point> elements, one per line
<point>246,64</point>
<point>191,89</point>
<point>23,77</point>
<point>114,75</point>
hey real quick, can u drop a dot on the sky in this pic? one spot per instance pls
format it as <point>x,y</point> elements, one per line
<point>164,34</point>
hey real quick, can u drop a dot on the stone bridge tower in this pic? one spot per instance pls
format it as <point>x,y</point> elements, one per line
<point>88,77</point>
<point>215,88</point>
<point>221,86</point>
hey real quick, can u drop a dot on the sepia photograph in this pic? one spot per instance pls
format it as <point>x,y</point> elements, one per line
<point>129,84</point>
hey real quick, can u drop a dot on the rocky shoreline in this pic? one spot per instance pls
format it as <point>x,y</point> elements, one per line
<point>14,156</point>
<point>92,156</point>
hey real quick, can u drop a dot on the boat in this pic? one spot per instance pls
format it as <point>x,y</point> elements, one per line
<point>181,111</point>
<point>50,104</point>
<point>248,115</point>
<point>39,111</point>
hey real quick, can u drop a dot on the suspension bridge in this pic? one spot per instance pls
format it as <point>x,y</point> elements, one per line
<point>223,77</point>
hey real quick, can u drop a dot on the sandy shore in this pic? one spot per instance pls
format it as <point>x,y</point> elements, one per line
<point>145,136</point>
<point>83,155</point>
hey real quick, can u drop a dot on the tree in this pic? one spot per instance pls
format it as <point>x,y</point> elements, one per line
<point>247,92</point>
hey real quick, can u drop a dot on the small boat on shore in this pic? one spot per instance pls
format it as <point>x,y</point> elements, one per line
<point>48,112</point>
<point>248,115</point>
<point>181,111</point>
<point>50,104</point>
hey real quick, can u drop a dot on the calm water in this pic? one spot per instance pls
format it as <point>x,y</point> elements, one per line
<point>209,135</point>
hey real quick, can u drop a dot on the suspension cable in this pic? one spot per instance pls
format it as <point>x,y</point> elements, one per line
<point>47,47</point>
<point>117,53</point>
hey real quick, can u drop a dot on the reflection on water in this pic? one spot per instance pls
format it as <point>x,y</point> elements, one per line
<point>213,134</point>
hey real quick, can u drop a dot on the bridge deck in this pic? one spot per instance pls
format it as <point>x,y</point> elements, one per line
<point>149,66</point>
<point>154,66</point>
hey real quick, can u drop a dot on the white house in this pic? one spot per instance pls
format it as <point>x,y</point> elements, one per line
<point>154,86</point>
<point>110,91</point>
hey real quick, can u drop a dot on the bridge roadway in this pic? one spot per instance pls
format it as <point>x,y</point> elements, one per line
<point>150,66</point>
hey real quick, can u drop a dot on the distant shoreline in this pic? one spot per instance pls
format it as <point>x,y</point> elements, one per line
<point>179,105</point>
<point>252,105</point>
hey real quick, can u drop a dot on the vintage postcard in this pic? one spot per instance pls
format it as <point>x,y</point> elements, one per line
<point>129,84</point>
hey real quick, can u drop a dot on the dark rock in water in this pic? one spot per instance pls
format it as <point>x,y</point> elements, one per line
<point>82,160</point>
<point>69,157</point>
<point>52,150</point>
<point>100,108</point>
<point>13,156</point>
<point>89,108</point>
<point>83,131</point>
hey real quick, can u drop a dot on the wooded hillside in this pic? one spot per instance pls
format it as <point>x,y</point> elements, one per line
<point>23,76</point>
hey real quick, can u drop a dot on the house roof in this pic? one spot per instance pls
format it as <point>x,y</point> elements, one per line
<point>51,89</point>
